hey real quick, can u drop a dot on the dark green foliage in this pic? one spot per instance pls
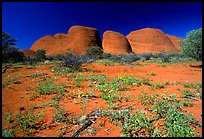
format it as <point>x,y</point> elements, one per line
<point>72,62</point>
<point>58,57</point>
<point>124,59</point>
<point>146,56</point>
<point>48,57</point>
<point>192,45</point>
<point>106,55</point>
<point>165,57</point>
<point>168,108</point>
<point>27,121</point>
<point>8,133</point>
<point>94,52</point>
<point>40,54</point>
<point>32,60</point>
<point>10,53</point>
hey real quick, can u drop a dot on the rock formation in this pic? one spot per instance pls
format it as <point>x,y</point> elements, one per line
<point>150,40</point>
<point>115,43</point>
<point>80,38</point>
<point>77,41</point>
<point>175,40</point>
<point>28,53</point>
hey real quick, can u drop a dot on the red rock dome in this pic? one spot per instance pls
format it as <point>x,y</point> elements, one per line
<point>77,41</point>
<point>115,43</point>
<point>150,40</point>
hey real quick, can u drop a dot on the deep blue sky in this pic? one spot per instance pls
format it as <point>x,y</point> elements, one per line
<point>29,21</point>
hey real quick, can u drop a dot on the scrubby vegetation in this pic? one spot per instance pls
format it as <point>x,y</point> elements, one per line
<point>10,53</point>
<point>192,44</point>
<point>134,102</point>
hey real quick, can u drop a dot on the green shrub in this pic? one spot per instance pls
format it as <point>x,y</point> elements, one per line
<point>47,88</point>
<point>106,55</point>
<point>159,85</point>
<point>124,59</point>
<point>73,62</point>
<point>40,54</point>
<point>94,52</point>
<point>58,57</point>
<point>28,121</point>
<point>8,133</point>
<point>165,57</point>
<point>146,56</point>
<point>187,93</point>
<point>192,44</point>
<point>10,53</point>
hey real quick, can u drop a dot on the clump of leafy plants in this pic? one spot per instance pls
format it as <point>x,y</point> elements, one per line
<point>168,108</point>
<point>188,93</point>
<point>99,79</point>
<point>46,88</point>
<point>27,121</point>
<point>72,62</point>
<point>159,85</point>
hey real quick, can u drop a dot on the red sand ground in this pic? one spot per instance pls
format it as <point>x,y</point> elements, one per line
<point>14,95</point>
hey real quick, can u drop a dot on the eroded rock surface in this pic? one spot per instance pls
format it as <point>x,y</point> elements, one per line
<point>150,40</point>
<point>115,43</point>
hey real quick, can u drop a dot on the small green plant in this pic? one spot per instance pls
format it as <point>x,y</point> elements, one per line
<point>187,103</point>
<point>33,96</point>
<point>109,91</point>
<point>46,88</point>
<point>99,79</point>
<point>159,85</point>
<point>167,82</point>
<point>127,80</point>
<point>34,75</point>
<point>146,81</point>
<point>188,93</point>
<point>167,107</point>
<point>187,85</point>
<point>61,116</point>
<point>94,52</point>
<point>153,73</point>
<point>8,133</point>
<point>79,79</point>
<point>197,86</point>
<point>83,107</point>
<point>28,121</point>
<point>9,117</point>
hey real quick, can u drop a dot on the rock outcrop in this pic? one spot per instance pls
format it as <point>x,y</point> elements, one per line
<point>80,38</point>
<point>28,53</point>
<point>150,40</point>
<point>77,41</point>
<point>175,40</point>
<point>115,43</point>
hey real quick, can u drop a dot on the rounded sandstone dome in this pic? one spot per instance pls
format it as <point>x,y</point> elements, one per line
<point>150,40</point>
<point>115,43</point>
<point>77,41</point>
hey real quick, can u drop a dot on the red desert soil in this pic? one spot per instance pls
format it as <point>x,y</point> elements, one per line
<point>15,96</point>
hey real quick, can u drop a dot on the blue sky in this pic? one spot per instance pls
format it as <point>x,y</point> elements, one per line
<point>29,21</point>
